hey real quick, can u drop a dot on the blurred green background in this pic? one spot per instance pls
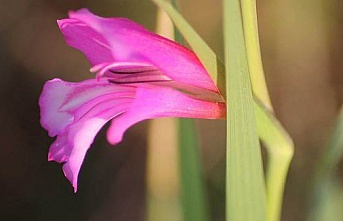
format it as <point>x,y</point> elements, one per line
<point>302,50</point>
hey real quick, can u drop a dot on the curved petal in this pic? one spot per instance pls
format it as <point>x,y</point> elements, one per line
<point>78,137</point>
<point>75,112</point>
<point>157,102</point>
<point>59,100</point>
<point>131,42</point>
<point>91,43</point>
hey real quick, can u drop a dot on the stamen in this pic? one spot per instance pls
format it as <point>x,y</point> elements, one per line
<point>149,75</point>
<point>140,77</point>
<point>121,68</point>
<point>133,70</point>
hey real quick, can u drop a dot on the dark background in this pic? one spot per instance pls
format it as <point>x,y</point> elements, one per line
<point>302,52</point>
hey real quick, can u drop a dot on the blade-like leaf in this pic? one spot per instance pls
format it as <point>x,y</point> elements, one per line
<point>328,201</point>
<point>327,196</point>
<point>177,35</point>
<point>334,151</point>
<point>192,187</point>
<point>245,189</point>
<point>162,177</point>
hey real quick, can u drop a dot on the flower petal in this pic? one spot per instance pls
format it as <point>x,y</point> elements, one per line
<point>59,100</point>
<point>87,40</point>
<point>79,137</point>
<point>157,102</point>
<point>131,42</point>
<point>75,112</point>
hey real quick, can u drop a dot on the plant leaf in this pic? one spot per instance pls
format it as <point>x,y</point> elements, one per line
<point>327,195</point>
<point>245,188</point>
<point>192,186</point>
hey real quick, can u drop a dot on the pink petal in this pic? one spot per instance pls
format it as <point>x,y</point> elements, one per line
<point>53,96</point>
<point>115,101</point>
<point>87,40</point>
<point>79,137</point>
<point>83,108</point>
<point>75,112</point>
<point>130,42</point>
<point>59,100</point>
<point>162,102</point>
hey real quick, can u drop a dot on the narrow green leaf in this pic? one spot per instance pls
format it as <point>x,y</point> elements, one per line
<point>245,189</point>
<point>329,201</point>
<point>163,201</point>
<point>192,186</point>
<point>334,151</point>
<point>325,188</point>
<point>177,35</point>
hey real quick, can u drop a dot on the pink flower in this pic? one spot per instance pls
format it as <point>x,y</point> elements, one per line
<point>140,75</point>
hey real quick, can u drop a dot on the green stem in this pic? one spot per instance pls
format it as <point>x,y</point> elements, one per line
<point>252,44</point>
<point>280,151</point>
<point>279,147</point>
